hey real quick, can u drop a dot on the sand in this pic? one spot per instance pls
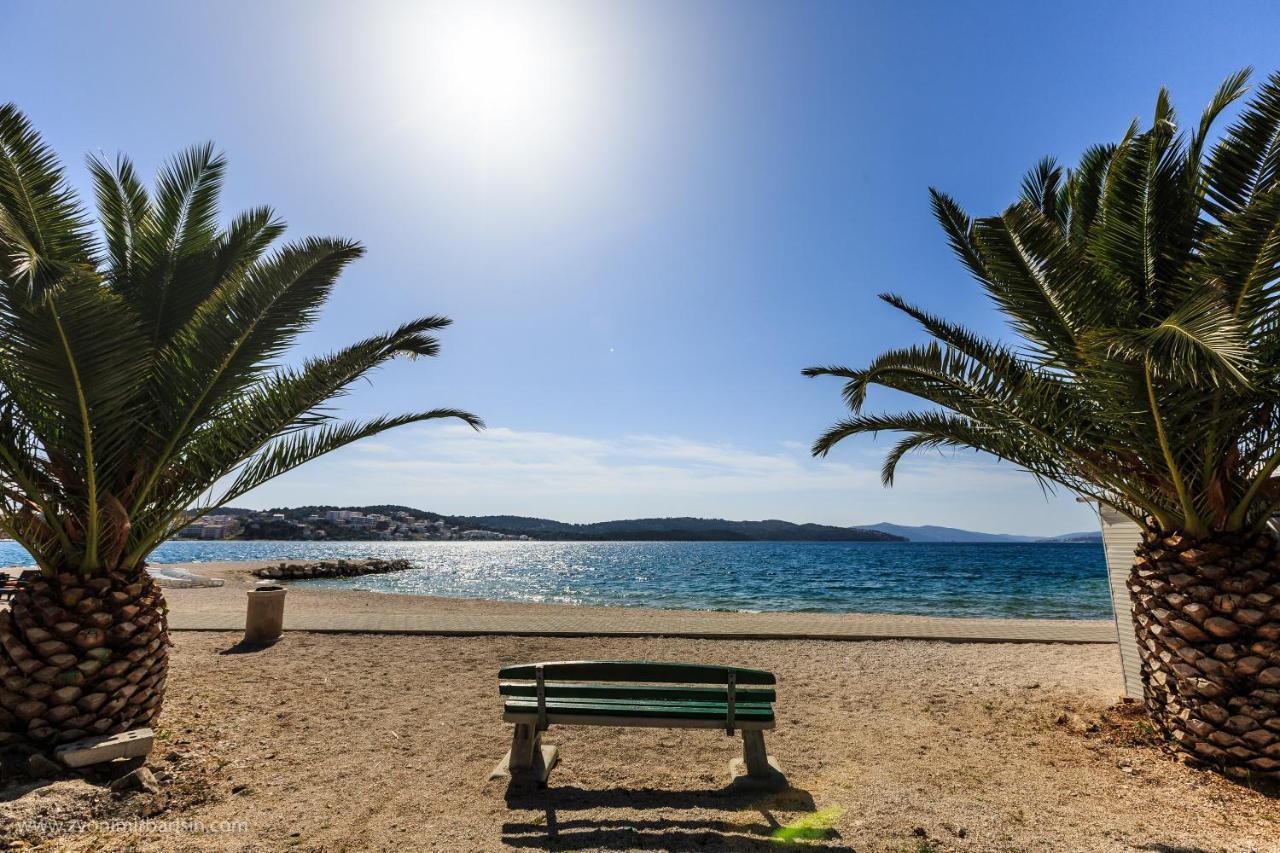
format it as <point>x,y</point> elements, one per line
<point>364,742</point>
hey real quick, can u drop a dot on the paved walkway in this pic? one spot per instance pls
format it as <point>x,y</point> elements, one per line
<point>592,622</point>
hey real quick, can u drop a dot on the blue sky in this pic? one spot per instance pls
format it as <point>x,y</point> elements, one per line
<point>644,217</point>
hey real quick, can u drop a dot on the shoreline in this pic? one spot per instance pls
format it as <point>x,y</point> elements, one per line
<point>957,581</point>
<point>239,572</point>
<point>316,608</point>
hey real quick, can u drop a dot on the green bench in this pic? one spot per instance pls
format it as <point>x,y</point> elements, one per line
<point>633,694</point>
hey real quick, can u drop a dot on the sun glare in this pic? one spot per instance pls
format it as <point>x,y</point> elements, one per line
<point>502,88</point>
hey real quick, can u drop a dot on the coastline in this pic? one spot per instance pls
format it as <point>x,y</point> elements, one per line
<point>317,608</point>
<point>1006,581</point>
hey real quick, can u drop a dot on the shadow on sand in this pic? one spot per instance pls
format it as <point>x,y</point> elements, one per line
<point>246,648</point>
<point>742,819</point>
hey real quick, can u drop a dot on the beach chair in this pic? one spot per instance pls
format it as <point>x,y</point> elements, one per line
<point>634,694</point>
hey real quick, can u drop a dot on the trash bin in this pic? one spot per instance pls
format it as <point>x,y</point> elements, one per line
<point>264,620</point>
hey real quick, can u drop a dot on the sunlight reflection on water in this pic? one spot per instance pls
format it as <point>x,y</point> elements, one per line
<point>1054,581</point>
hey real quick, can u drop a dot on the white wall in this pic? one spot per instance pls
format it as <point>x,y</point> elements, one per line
<point>1119,537</point>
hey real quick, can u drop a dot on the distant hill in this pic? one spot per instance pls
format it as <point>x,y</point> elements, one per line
<point>688,529</point>
<point>680,529</point>
<point>1087,537</point>
<point>934,533</point>
<point>637,529</point>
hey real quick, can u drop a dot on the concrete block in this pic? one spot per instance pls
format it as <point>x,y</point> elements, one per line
<point>95,750</point>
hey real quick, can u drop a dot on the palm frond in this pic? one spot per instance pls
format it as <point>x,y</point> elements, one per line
<point>290,451</point>
<point>1143,288</point>
<point>123,209</point>
<point>43,233</point>
<point>140,369</point>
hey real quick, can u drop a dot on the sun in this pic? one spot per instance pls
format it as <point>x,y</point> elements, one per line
<point>501,87</point>
<point>502,72</point>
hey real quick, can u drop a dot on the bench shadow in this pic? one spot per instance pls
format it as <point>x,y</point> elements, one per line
<point>246,648</point>
<point>743,819</point>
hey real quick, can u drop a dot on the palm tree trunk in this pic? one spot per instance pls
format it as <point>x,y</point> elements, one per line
<point>1207,615</point>
<point>82,656</point>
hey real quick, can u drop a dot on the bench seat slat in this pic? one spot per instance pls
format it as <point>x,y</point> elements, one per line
<point>710,706</point>
<point>650,671</point>
<point>579,690</point>
<point>715,712</point>
<point>553,719</point>
<point>635,723</point>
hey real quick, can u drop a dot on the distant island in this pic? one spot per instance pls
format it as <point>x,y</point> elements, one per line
<point>390,522</point>
<point>402,523</point>
<point>933,533</point>
<point>679,529</point>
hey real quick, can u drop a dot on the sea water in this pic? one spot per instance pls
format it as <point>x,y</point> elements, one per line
<point>1040,581</point>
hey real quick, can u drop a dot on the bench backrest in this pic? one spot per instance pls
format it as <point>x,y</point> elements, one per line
<point>650,682</point>
<point>636,670</point>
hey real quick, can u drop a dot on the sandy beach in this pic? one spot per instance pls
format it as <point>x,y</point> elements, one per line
<point>351,742</point>
<point>326,743</point>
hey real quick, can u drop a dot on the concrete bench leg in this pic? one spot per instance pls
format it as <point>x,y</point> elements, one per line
<point>753,753</point>
<point>759,766</point>
<point>527,756</point>
<point>524,743</point>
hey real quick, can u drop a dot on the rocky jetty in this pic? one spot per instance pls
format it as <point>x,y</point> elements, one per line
<point>330,569</point>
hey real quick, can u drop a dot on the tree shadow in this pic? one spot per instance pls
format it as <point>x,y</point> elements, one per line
<point>16,789</point>
<point>17,780</point>
<point>1266,787</point>
<point>743,818</point>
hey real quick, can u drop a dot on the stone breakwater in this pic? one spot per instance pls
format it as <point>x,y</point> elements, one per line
<point>330,569</point>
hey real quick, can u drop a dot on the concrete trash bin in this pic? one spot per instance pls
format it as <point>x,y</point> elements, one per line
<point>264,620</point>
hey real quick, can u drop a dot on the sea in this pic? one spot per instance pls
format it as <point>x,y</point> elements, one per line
<point>1014,581</point>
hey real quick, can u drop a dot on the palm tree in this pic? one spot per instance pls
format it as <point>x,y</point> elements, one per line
<point>1142,287</point>
<point>138,387</point>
